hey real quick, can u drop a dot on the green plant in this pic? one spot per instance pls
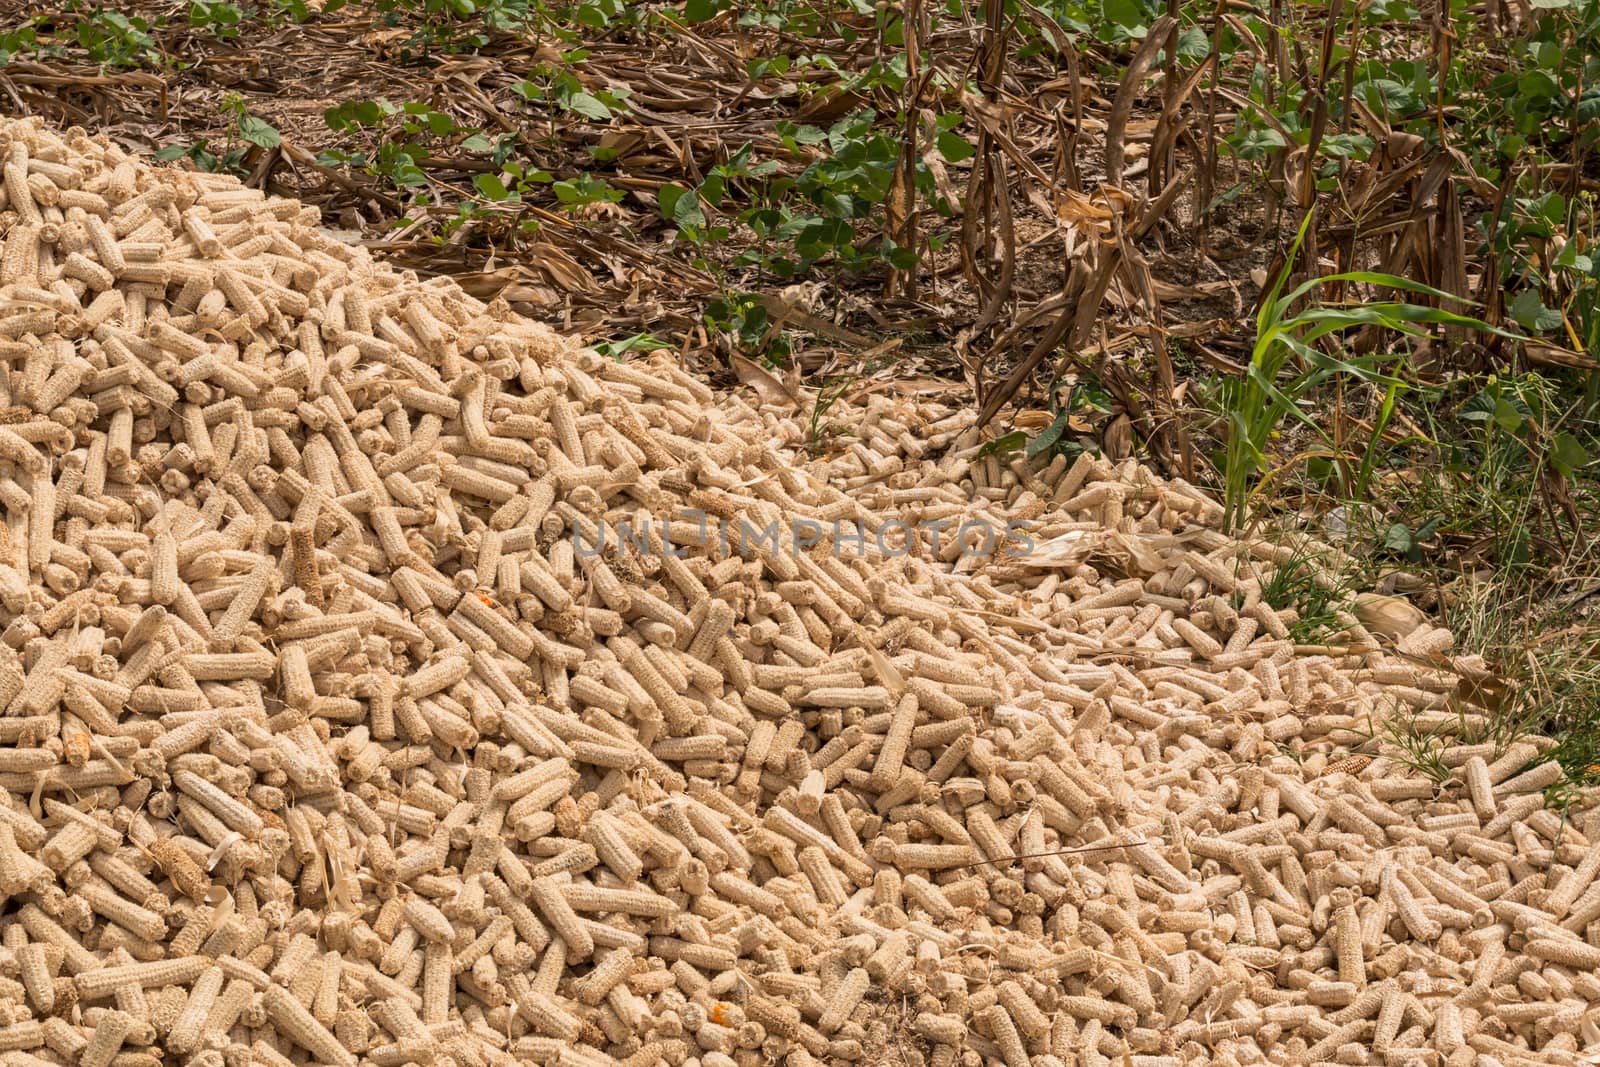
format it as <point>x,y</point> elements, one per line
<point>1503,453</point>
<point>744,318</point>
<point>117,40</point>
<point>573,193</point>
<point>1287,367</point>
<point>640,342</point>
<point>1305,584</point>
<point>1107,21</point>
<point>1086,395</point>
<point>469,25</point>
<point>1542,644</point>
<point>819,431</point>
<point>1421,748</point>
<point>818,216</point>
<point>405,134</point>
<point>846,186</point>
<point>252,131</point>
<point>559,88</point>
<point>218,16</point>
<point>22,39</point>
<point>512,184</point>
<point>231,161</point>
<point>686,208</point>
<point>250,128</point>
<point>300,11</point>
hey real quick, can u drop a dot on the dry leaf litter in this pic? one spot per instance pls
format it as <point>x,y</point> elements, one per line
<point>325,743</point>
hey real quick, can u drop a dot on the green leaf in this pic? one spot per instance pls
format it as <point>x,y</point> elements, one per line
<point>1397,538</point>
<point>1048,436</point>
<point>899,258</point>
<point>1567,454</point>
<point>639,342</point>
<point>1532,315</point>
<point>587,105</point>
<point>171,152</point>
<point>1193,44</point>
<point>259,132</point>
<point>1124,13</point>
<point>409,174</point>
<point>713,189</point>
<point>1506,415</point>
<point>701,10</point>
<point>491,186</point>
<point>668,197</point>
<point>1001,445</point>
<point>954,147</point>
<point>1256,143</point>
<point>478,143</point>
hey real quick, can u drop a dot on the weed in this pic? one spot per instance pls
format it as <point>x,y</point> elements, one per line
<point>1085,396</point>
<point>584,190</point>
<point>1287,368</point>
<point>642,343</point>
<point>744,319</point>
<point>1502,473</point>
<point>687,208</point>
<point>200,153</point>
<point>1542,640</point>
<point>23,39</point>
<point>406,134</point>
<point>252,131</point>
<point>819,431</point>
<point>1306,584</point>
<point>1420,748</point>
<point>451,25</point>
<point>1106,21</point>
<point>218,16</point>
<point>117,40</point>
<point>560,90</point>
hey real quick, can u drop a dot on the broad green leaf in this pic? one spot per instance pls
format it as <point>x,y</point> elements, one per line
<point>1398,538</point>
<point>259,132</point>
<point>491,186</point>
<point>1048,436</point>
<point>1532,315</point>
<point>954,147</point>
<point>1193,44</point>
<point>713,189</point>
<point>1506,415</point>
<point>1567,454</point>
<point>1001,445</point>
<point>668,197</point>
<point>587,105</point>
<point>1124,13</point>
